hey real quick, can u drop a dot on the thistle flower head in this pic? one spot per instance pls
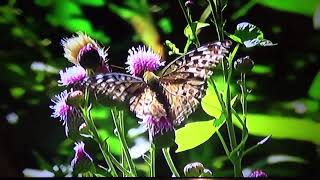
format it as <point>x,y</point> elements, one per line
<point>73,45</point>
<point>157,125</point>
<point>81,162</point>
<point>258,173</point>
<point>61,109</point>
<point>71,75</point>
<point>83,50</point>
<point>70,115</point>
<point>142,59</point>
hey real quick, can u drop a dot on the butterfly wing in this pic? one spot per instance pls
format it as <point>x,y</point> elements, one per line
<point>117,86</point>
<point>123,87</point>
<point>184,79</point>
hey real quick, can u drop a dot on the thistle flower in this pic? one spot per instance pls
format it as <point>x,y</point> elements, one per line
<point>71,75</point>
<point>61,109</point>
<point>141,60</point>
<point>81,162</point>
<point>70,115</point>
<point>258,173</point>
<point>84,51</point>
<point>157,125</point>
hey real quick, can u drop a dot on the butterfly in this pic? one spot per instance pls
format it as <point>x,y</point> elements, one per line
<point>175,93</point>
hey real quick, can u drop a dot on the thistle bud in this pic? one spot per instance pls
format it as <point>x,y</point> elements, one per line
<point>206,173</point>
<point>75,98</point>
<point>194,169</point>
<point>189,3</point>
<point>244,64</point>
<point>82,162</point>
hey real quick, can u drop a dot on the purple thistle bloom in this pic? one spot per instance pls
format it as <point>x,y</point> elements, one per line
<point>141,60</point>
<point>81,162</point>
<point>61,109</point>
<point>71,75</point>
<point>258,173</point>
<point>157,125</point>
<point>70,115</point>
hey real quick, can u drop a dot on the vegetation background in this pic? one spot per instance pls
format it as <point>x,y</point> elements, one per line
<point>285,80</point>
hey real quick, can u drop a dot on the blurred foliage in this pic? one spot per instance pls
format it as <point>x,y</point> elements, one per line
<point>285,82</point>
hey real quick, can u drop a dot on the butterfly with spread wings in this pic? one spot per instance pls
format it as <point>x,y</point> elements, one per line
<point>173,94</point>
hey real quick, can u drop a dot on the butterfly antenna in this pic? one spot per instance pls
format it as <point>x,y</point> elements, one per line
<point>115,66</point>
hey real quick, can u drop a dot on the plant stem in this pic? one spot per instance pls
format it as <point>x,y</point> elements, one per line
<point>230,127</point>
<point>153,160</point>
<point>93,129</point>
<point>190,23</point>
<point>167,156</point>
<point>123,142</point>
<point>223,143</point>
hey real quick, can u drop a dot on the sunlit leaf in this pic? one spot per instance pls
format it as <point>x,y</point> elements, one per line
<point>196,26</point>
<point>293,6</point>
<point>282,127</point>
<point>113,142</point>
<point>261,69</point>
<point>100,113</point>
<point>91,2</point>
<point>210,103</point>
<point>17,92</point>
<point>314,89</point>
<point>193,134</point>
<point>38,87</point>
<point>165,25</point>
<point>249,35</point>
<point>173,48</point>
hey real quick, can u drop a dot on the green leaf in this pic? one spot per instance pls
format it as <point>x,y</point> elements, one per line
<point>165,25</point>
<point>261,69</point>
<point>95,3</point>
<point>293,6</point>
<point>193,134</point>
<point>113,142</point>
<point>210,103</point>
<point>100,113</point>
<point>16,69</point>
<point>314,88</point>
<point>173,48</point>
<point>249,35</point>
<point>282,127</point>
<point>17,92</point>
<point>196,26</point>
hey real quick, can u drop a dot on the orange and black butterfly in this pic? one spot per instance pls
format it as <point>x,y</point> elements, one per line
<point>175,93</point>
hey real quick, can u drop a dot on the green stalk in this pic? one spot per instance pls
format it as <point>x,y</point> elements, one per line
<point>223,143</point>
<point>167,156</point>
<point>93,129</point>
<point>230,127</point>
<point>152,160</point>
<point>123,142</point>
<point>189,23</point>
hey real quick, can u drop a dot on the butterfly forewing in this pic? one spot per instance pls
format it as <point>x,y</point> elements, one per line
<point>117,86</point>
<point>184,79</point>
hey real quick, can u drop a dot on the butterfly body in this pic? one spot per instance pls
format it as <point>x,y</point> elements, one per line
<point>174,94</point>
